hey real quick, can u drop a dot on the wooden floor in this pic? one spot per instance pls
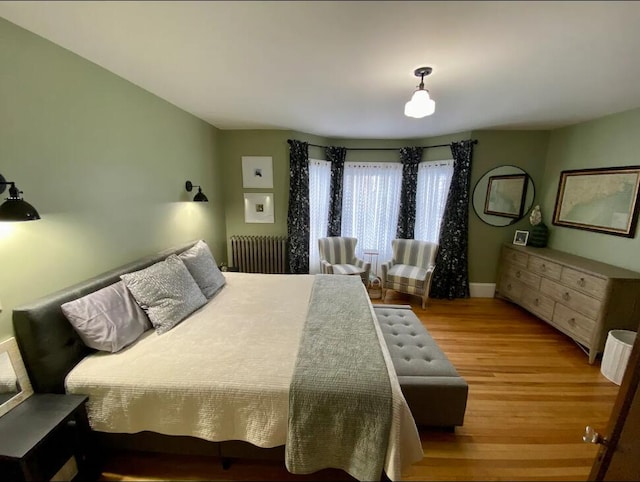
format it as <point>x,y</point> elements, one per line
<point>531,393</point>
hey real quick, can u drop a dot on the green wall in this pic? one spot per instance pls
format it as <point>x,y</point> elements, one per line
<point>606,142</point>
<point>524,149</point>
<point>103,161</point>
<point>234,144</point>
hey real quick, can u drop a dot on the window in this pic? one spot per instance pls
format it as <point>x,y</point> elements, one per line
<point>371,202</point>
<point>319,192</point>
<point>434,179</point>
<point>370,205</point>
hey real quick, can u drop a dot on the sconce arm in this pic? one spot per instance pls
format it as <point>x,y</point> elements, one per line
<point>189,186</point>
<point>14,192</point>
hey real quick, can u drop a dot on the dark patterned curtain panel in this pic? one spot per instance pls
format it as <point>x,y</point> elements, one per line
<point>410,157</point>
<point>451,276</point>
<point>298,214</point>
<point>336,155</point>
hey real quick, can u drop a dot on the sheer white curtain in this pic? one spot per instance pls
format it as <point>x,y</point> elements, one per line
<point>370,206</point>
<point>319,192</point>
<point>434,179</point>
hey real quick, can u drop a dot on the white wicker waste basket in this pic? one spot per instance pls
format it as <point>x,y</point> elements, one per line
<point>616,354</point>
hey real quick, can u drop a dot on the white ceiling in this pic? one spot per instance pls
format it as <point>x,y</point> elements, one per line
<point>345,69</point>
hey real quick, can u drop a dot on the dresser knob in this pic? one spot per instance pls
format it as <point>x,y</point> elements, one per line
<point>581,282</point>
<point>543,268</point>
<point>536,302</point>
<point>518,274</point>
<point>572,321</point>
<point>509,286</point>
<point>566,296</point>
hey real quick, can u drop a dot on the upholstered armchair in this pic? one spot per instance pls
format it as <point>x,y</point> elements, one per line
<point>338,256</point>
<point>410,269</point>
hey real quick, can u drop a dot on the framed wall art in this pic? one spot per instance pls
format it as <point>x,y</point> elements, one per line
<point>257,172</point>
<point>258,207</point>
<point>603,200</point>
<point>505,195</point>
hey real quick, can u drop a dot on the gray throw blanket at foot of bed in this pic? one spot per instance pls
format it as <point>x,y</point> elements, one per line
<point>340,399</point>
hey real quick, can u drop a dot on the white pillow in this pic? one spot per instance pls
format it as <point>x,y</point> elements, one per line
<point>166,291</point>
<point>204,269</point>
<point>108,319</point>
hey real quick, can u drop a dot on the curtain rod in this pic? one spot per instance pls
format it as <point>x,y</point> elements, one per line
<point>474,141</point>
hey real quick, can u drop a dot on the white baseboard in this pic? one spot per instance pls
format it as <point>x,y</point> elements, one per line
<point>482,290</point>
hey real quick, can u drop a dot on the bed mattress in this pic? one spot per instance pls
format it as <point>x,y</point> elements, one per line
<point>223,373</point>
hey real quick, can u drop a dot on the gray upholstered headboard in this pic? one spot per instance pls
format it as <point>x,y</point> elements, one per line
<point>49,345</point>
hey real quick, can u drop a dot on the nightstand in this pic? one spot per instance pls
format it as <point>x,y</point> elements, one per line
<point>47,437</point>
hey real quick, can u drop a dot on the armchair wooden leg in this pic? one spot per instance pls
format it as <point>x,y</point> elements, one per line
<point>424,302</point>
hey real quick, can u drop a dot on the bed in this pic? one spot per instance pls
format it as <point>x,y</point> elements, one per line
<point>231,373</point>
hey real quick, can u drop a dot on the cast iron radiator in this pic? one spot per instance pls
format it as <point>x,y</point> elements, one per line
<point>259,254</point>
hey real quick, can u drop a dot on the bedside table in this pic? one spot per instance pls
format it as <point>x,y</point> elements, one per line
<point>46,437</point>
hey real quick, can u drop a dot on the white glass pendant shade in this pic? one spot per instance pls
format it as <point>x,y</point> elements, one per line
<point>420,105</point>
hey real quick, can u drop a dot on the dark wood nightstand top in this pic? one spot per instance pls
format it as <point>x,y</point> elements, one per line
<point>28,424</point>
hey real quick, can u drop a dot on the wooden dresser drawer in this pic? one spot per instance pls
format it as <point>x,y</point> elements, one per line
<point>583,282</point>
<point>544,267</point>
<point>583,298</point>
<point>571,298</point>
<point>524,276</point>
<point>574,324</point>
<point>538,303</point>
<point>510,288</point>
<point>511,256</point>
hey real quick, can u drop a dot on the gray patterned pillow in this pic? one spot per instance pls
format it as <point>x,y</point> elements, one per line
<point>166,291</point>
<point>108,319</point>
<point>202,266</point>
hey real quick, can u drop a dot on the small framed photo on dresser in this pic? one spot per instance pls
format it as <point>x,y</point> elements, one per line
<point>521,237</point>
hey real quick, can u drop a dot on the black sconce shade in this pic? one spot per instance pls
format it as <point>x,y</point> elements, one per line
<point>199,197</point>
<point>15,208</point>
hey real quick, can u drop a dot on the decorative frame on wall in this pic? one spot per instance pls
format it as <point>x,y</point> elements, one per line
<point>603,200</point>
<point>505,195</point>
<point>257,172</point>
<point>258,207</point>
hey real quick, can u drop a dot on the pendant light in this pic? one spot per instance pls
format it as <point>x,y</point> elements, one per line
<point>421,104</point>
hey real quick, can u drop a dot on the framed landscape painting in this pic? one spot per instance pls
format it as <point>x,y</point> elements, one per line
<point>505,195</point>
<point>604,200</point>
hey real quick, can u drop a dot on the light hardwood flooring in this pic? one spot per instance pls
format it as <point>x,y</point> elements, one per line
<point>531,393</point>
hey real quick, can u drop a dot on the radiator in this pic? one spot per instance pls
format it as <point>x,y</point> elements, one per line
<point>259,254</point>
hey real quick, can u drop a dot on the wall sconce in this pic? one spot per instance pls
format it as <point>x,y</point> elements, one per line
<point>199,197</point>
<point>15,208</point>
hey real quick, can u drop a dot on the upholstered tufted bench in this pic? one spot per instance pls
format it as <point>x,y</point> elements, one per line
<point>436,394</point>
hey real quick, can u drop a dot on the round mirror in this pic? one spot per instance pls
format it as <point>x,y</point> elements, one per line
<point>503,195</point>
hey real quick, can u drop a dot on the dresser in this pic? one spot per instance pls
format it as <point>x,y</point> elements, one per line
<point>582,298</point>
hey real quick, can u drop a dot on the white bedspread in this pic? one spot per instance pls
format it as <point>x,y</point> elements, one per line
<point>223,373</point>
